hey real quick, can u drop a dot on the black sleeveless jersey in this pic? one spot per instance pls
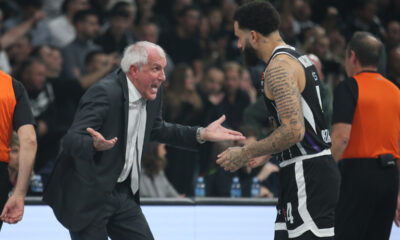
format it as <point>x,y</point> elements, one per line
<point>316,138</point>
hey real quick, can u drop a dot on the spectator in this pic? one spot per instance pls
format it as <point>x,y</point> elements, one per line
<point>365,19</point>
<point>150,32</point>
<point>365,139</point>
<point>235,100</point>
<point>302,15</point>
<point>31,10</point>
<point>246,84</point>
<point>211,90</point>
<point>287,30</point>
<point>9,37</point>
<point>42,103</point>
<point>182,44</point>
<point>118,35</point>
<point>66,92</point>
<point>97,65</point>
<point>218,182</point>
<point>258,116</point>
<point>209,51</point>
<point>153,182</point>
<point>61,27</point>
<point>319,45</point>
<point>52,8</point>
<point>147,14</point>
<point>87,27</point>
<point>211,94</point>
<point>215,19</point>
<point>20,51</point>
<point>182,105</point>
<point>392,35</point>
<point>394,65</point>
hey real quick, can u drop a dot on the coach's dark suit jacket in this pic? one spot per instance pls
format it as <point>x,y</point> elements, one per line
<point>82,177</point>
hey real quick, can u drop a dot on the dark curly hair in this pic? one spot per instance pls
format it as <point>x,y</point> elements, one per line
<point>259,16</point>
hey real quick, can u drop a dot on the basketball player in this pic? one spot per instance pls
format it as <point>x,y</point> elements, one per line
<point>309,177</point>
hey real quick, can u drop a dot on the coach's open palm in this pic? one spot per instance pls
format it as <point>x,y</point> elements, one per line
<point>216,132</point>
<point>99,142</point>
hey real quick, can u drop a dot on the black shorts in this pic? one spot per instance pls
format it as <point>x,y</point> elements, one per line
<point>309,191</point>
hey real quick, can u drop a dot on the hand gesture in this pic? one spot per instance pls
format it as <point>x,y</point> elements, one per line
<point>99,142</point>
<point>233,158</point>
<point>13,210</point>
<point>215,132</point>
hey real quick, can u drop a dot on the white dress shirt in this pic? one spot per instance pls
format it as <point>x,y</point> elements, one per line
<point>135,136</point>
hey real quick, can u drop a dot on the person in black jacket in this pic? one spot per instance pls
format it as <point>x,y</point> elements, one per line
<point>94,188</point>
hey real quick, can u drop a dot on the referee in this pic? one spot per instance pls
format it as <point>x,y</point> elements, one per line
<point>365,139</point>
<point>15,114</point>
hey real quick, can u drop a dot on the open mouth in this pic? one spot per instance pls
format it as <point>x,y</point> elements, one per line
<point>154,87</point>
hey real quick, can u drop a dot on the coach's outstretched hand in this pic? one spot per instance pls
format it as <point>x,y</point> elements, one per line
<point>99,142</point>
<point>215,132</point>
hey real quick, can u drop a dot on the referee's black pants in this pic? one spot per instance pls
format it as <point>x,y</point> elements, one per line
<point>367,201</point>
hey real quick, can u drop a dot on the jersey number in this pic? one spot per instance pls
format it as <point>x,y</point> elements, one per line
<point>289,217</point>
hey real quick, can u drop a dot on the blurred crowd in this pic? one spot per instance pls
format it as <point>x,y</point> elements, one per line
<point>59,48</point>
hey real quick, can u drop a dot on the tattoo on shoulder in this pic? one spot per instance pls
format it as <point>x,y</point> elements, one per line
<point>281,82</point>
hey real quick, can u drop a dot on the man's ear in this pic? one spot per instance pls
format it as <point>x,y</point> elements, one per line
<point>353,57</point>
<point>134,70</point>
<point>253,36</point>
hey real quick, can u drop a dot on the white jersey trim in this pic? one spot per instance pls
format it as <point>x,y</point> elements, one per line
<point>280,226</point>
<point>308,115</point>
<point>304,157</point>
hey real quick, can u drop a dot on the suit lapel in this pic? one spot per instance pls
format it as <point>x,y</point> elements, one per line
<point>122,80</point>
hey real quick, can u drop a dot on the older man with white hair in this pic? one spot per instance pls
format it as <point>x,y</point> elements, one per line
<point>94,189</point>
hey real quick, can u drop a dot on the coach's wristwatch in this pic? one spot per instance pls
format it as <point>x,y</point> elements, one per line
<point>198,137</point>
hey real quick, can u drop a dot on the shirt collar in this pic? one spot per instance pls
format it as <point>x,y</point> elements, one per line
<point>133,93</point>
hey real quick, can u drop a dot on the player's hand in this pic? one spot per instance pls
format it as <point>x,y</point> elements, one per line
<point>99,142</point>
<point>397,214</point>
<point>258,161</point>
<point>233,158</point>
<point>13,210</point>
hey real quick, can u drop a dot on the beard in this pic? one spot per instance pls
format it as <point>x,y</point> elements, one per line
<point>249,55</point>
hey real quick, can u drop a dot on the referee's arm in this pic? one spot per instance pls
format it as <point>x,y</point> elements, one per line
<point>344,105</point>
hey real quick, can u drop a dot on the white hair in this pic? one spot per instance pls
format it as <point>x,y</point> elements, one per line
<point>137,54</point>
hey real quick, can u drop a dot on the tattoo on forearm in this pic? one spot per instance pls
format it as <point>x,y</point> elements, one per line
<point>281,82</point>
<point>238,159</point>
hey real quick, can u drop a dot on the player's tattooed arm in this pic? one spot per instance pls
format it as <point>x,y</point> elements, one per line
<point>281,82</point>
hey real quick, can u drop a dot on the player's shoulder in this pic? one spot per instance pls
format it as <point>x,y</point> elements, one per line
<point>284,61</point>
